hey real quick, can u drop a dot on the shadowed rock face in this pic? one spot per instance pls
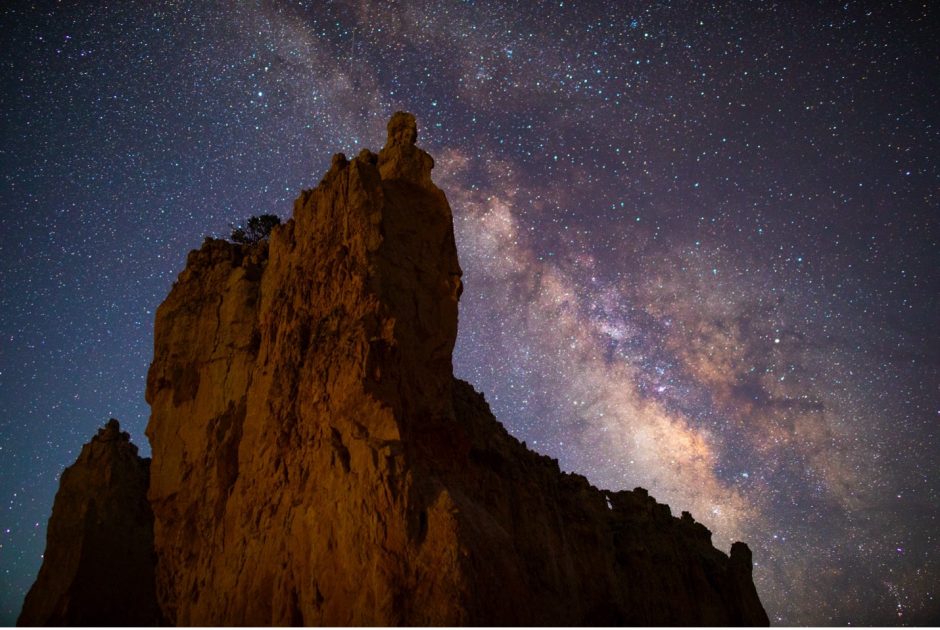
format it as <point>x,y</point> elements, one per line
<point>98,568</point>
<point>316,462</point>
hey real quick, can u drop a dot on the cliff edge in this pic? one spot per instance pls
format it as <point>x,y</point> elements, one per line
<point>315,462</point>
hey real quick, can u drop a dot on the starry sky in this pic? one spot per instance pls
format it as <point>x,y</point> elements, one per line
<point>700,243</point>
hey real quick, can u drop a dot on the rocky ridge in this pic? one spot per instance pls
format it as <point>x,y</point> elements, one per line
<point>316,462</point>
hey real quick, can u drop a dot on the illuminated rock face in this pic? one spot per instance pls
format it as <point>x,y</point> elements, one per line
<point>302,400</point>
<point>98,568</point>
<point>316,462</point>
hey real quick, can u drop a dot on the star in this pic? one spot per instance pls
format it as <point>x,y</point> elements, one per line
<point>695,243</point>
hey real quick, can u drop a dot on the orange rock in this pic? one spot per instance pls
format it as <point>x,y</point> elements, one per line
<point>326,468</point>
<point>316,462</point>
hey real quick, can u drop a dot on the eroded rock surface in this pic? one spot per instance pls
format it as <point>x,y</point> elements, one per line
<point>315,461</point>
<point>98,568</point>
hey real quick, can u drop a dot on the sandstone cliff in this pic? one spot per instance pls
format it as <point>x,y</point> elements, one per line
<point>98,568</point>
<point>316,462</point>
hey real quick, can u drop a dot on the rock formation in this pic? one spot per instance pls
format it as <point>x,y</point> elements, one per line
<point>316,462</point>
<point>98,568</point>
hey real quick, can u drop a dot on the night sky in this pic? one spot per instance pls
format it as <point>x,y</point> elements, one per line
<point>700,243</point>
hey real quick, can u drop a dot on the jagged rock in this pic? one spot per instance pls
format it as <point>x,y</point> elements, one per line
<point>400,158</point>
<point>98,568</point>
<point>315,461</point>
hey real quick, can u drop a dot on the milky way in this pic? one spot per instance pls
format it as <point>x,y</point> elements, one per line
<point>699,243</point>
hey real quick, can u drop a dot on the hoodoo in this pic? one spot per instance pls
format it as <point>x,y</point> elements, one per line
<point>316,462</point>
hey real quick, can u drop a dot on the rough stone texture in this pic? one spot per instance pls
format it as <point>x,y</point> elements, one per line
<point>98,568</point>
<point>566,553</point>
<point>315,461</point>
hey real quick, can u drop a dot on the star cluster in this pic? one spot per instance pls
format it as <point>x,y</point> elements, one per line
<point>699,243</point>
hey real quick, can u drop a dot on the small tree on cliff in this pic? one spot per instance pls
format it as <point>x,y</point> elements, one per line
<point>258,228</point>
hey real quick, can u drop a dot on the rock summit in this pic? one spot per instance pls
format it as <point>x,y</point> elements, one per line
<point>315,462</point>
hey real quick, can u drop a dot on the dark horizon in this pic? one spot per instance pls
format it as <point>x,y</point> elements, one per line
<point>699,245</point>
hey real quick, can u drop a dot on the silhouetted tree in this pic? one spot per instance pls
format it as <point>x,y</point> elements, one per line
<point>257,229</point>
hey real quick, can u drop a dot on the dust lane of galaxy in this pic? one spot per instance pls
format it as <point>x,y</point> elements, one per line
<point>699,242</point>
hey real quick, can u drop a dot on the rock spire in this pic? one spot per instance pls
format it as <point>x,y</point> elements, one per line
<point>98,568</point>
<point>315,462</point>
